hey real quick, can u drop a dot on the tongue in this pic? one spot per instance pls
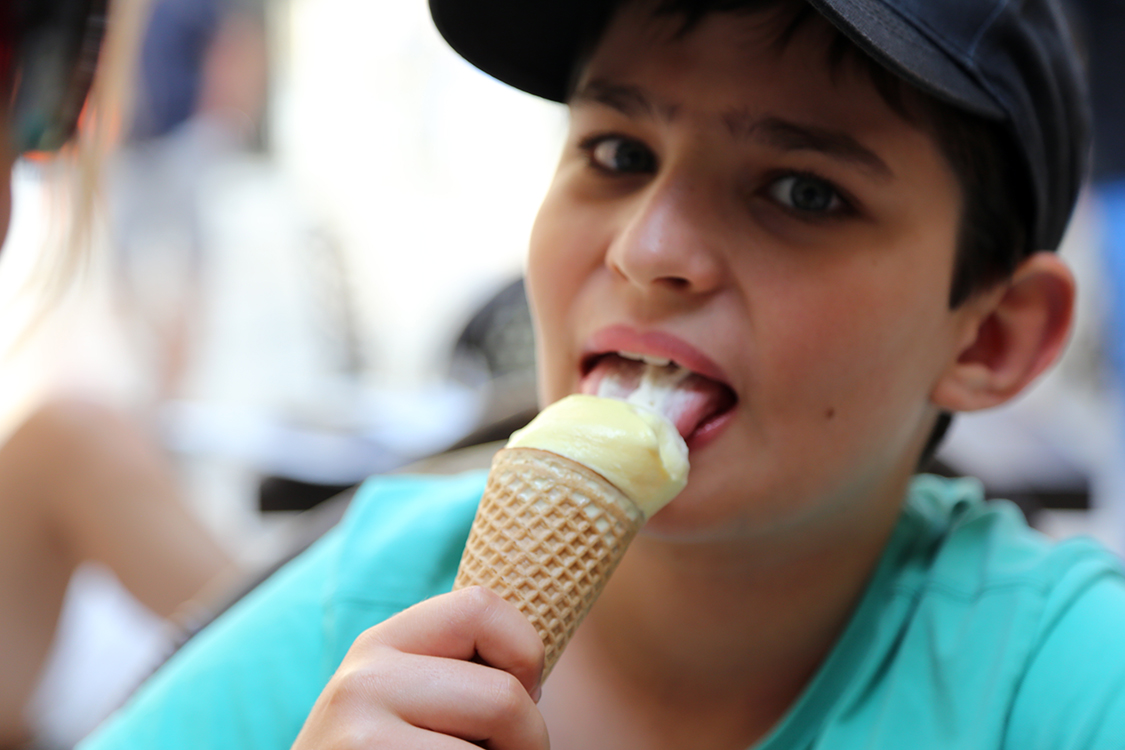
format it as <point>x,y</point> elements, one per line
<point>680,395</point>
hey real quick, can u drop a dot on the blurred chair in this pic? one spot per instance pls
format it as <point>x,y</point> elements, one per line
<point>494,354</point>
<point>496,351</point>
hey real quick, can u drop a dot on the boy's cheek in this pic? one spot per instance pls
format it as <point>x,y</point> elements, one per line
<point>567,244</point>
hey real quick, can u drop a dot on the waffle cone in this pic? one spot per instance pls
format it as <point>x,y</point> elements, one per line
<point>547,536</point>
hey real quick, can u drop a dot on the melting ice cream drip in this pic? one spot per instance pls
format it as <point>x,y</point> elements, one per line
<point>636,449</point>
<point>659,388</point>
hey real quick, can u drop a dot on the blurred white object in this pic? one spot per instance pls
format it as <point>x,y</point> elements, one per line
<point>106,643</point>
<point>378,432</point>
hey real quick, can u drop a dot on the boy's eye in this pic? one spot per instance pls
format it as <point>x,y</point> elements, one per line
<point>619,155</point>
<point>806,194</point>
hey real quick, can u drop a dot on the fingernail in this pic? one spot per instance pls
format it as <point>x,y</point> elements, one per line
<point>537,693</point>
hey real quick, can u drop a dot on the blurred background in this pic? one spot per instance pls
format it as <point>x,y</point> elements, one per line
<point>315,200</point>
<point>308,272</point>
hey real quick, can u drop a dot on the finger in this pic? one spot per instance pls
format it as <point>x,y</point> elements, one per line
<point>473,702</point>
<point>466,624</point>
<point>408,737</point>
<point>371,736</point>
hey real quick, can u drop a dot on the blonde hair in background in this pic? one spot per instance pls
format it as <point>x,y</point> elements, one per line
<point>48,267</point>
<point>76,171</point>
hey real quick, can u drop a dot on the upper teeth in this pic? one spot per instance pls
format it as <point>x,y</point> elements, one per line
<point>647,359</point>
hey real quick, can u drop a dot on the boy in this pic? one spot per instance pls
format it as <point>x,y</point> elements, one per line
<point>840,255</point>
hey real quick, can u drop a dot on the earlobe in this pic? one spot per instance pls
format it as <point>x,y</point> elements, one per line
<point>1019,332</point>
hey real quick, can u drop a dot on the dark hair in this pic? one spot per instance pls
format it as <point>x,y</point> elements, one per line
<point>996,196</point>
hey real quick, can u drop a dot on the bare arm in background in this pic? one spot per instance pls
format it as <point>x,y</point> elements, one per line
<point>78,482</point>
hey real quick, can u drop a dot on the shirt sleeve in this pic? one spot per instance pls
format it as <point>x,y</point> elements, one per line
<point>249,680</point>
<point>1072,696</point>
<point>246,681</point>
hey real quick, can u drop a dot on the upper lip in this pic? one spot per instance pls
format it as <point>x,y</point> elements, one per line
<point>620,338</point>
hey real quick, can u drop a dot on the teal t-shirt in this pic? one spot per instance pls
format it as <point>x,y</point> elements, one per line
<point>974,632</point>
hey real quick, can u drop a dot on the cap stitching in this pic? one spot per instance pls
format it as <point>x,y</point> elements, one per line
<point>946,45</point>
<point>986,83</point>
<point>984,27</point>
<point>983,80</point>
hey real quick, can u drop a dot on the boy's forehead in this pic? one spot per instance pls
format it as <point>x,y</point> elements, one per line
<point>1013,62</point>
<point>734,69</point>
<point>729,81</point>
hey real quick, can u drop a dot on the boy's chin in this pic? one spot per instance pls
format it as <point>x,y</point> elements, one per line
<point>696,516</point>
<point>759,511</point>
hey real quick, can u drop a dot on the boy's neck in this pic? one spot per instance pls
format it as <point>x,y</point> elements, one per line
<point>693,628</point>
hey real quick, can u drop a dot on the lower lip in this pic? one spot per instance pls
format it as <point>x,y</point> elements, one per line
<point>710,430</point>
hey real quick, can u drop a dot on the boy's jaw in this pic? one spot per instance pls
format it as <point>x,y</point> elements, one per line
<point>664,372</point>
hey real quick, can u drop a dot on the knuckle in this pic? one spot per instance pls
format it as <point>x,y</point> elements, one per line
<point>508,695</point>
<point>368,640</point>
<point>350,741</point>
<point>346,715</point>
<point>358,738</point>
<point>477,600</point>
<point>490,609</point>
<point>350,686</point>
<point>367,685</point>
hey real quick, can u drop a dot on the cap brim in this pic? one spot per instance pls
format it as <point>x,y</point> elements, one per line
<point>880,32</point>
<point>533,45</point>
<point>529,44</point>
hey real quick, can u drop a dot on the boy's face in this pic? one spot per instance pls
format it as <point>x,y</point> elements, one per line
<point>771,223</point>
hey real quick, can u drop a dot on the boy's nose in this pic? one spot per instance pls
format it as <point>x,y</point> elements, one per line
<point>668,241</point>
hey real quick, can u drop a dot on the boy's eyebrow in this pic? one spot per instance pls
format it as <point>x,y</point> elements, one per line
<point>632,101</point>
<point>627,99</point>
<point>793,137</point>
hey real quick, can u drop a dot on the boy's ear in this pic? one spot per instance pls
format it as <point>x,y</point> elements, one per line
<point>1015,332</point>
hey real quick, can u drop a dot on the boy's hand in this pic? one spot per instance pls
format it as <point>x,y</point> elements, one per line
<point>458,669</point>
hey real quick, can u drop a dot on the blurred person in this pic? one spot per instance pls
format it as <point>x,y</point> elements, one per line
<point>202,78</point>
<point>232,291</point>
<point>77,481</point>
<point>233,295</point>
<point>80,481</point>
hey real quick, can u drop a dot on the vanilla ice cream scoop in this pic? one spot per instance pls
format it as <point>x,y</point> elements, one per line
<point>637,449</point>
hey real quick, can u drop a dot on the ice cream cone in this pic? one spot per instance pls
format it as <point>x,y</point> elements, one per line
<point>547,536</point>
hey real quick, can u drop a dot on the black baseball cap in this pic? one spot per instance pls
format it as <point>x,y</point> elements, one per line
<point>1011,61</point>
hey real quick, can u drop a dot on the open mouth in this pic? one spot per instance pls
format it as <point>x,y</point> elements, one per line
<point>693,402</point>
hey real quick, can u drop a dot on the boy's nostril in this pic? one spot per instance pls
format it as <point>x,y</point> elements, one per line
<point>677,283</point>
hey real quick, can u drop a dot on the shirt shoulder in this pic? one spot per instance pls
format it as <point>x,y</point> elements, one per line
<point>955,544</point>
<point>1031,626</point>
<point>964,631</point>
<point>976,621</point>
<point>249,679</point>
